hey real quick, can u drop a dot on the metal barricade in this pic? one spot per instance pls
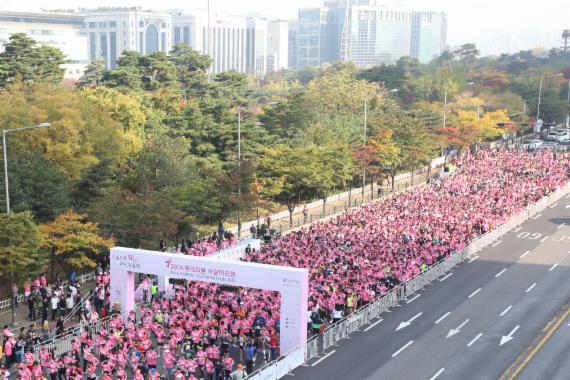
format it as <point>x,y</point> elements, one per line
<point>328,340</point>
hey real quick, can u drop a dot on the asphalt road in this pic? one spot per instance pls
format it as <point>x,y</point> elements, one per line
<point>474,323</point>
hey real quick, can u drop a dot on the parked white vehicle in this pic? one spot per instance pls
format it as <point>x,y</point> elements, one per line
<point>532,144</point>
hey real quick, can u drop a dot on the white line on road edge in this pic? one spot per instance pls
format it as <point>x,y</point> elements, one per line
<point>500,273</point>
<point>516,229</point>
<point>505,311</point>
<point>475,292</point>
<point>323,358</point>
<point>443,317</point>
<point>372,325</point>
<point>473,259</point>
<point>537,216</point>
<point>437,374</point>
<point>402,349</point>
<point>562,225</point>
<point>446,277</point>
<point>497,243</point>
<point>553,267</point>
<point>531,287</point>
<point>524,254</point>
<point>474,340</point>
<point>554,205</point>
<point>544,239</point>
<point>413,298</point>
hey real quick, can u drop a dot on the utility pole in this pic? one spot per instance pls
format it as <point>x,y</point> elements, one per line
<point>539,99</point>
<point>445,106</point>
<point>239,171</point>
<point>365,137</point>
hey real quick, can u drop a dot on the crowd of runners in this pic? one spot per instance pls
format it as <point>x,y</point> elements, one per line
<point>207,331</point>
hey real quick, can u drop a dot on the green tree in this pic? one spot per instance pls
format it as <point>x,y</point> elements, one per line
<point>93,75</point>
<point>23,60</point>
<point>20,241</point>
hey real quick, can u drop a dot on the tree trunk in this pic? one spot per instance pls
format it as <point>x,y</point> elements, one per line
<point>349,193</point>
<point>324,205</point>
<point>290,207</point>
<point>53,265</point>
<point>393,175</point>
<point>372,187</point>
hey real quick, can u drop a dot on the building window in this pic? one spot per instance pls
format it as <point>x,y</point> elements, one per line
<point>141,24</point>
<point>151,39</point>
<point>103,46</point>
<point>176,36</point>
<point>92,46</point>
<point>163,41</point>
<point>141,42</point>
<point>163,25</point>
<point>186,35</point>
<point>112,24</point>
<point>92,25</point>
<point>102,24</point>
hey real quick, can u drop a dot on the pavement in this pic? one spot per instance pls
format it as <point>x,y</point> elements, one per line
<point>475,322</point>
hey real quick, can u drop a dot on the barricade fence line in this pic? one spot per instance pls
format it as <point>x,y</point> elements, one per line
<point>343,328</point>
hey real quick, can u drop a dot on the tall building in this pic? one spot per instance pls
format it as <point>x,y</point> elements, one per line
<point>293,39</point>
<point>257,45</point>
<point>313,47</point>
<point>367,33</point>
<point>59,30</point>
<point>278,50</point>
<point>110,32</point>
<point>226,42</point>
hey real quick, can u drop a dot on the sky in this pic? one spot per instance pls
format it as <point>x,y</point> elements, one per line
<point>496,26</point>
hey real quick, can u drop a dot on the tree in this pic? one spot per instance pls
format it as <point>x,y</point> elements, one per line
<point>20,241</point>
<point>288,117</point>
<point>36,185</point>
<point>93,74</point>
<point>23,60</point>
<point>190,68</point>
<point>73,242</point>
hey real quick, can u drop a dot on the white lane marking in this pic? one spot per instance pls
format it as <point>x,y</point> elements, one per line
<point>500,273</point>
<point>554,205</point>
<point>474,340</point>
<point>497,243</point>
<point>524,254</point>
<point>544,239</point>
<point>456,330</point>
<point>475,292</point>
<point>446,277</point>
<point>562,225</point>
<point>507,338</point>
<point>553,267</point>
<point>402,349</point>
<point>537,216</point>
<point>443,317</point>
<point>505,311</point>
<point>437,374</point>
<point>413,298</point>
<point>372,325</point>
<point>323,358</point>
<point>516,229</point>
<point>531,287</point>
<point>473,259</point>
<point>409,322</point>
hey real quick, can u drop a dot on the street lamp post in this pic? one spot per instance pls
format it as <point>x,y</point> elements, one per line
<point>239,171</point>
<point>4,149</point>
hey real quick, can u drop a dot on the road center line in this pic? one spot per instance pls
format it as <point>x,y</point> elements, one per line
<point>443,317</point>
<point>474,340</point>
<point>402,349</point>
<point>323,358</point>
<point>446,277</point>
<point>414,298</point>
<point>475,292</point>
<point>531,287</point>
<point>372,325</point>
<point>473,259</point>
<point>437,374</point>
<point>500,273</point>
<point>553,267</point>
<point>505,311</point>
<point>524,254</point>
<point>497,243</point>
<point>544,239</point>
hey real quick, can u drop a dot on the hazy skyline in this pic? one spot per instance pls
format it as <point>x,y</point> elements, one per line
<point>495,26</point>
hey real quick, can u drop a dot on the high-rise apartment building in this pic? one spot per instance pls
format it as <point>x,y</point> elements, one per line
<point>225,42</point>
<point>257,46</point>
<point>278,51</point>
<point>367,33</point>
<point>59,30</point>
<point>293,48</point>
<point>113,31</point>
